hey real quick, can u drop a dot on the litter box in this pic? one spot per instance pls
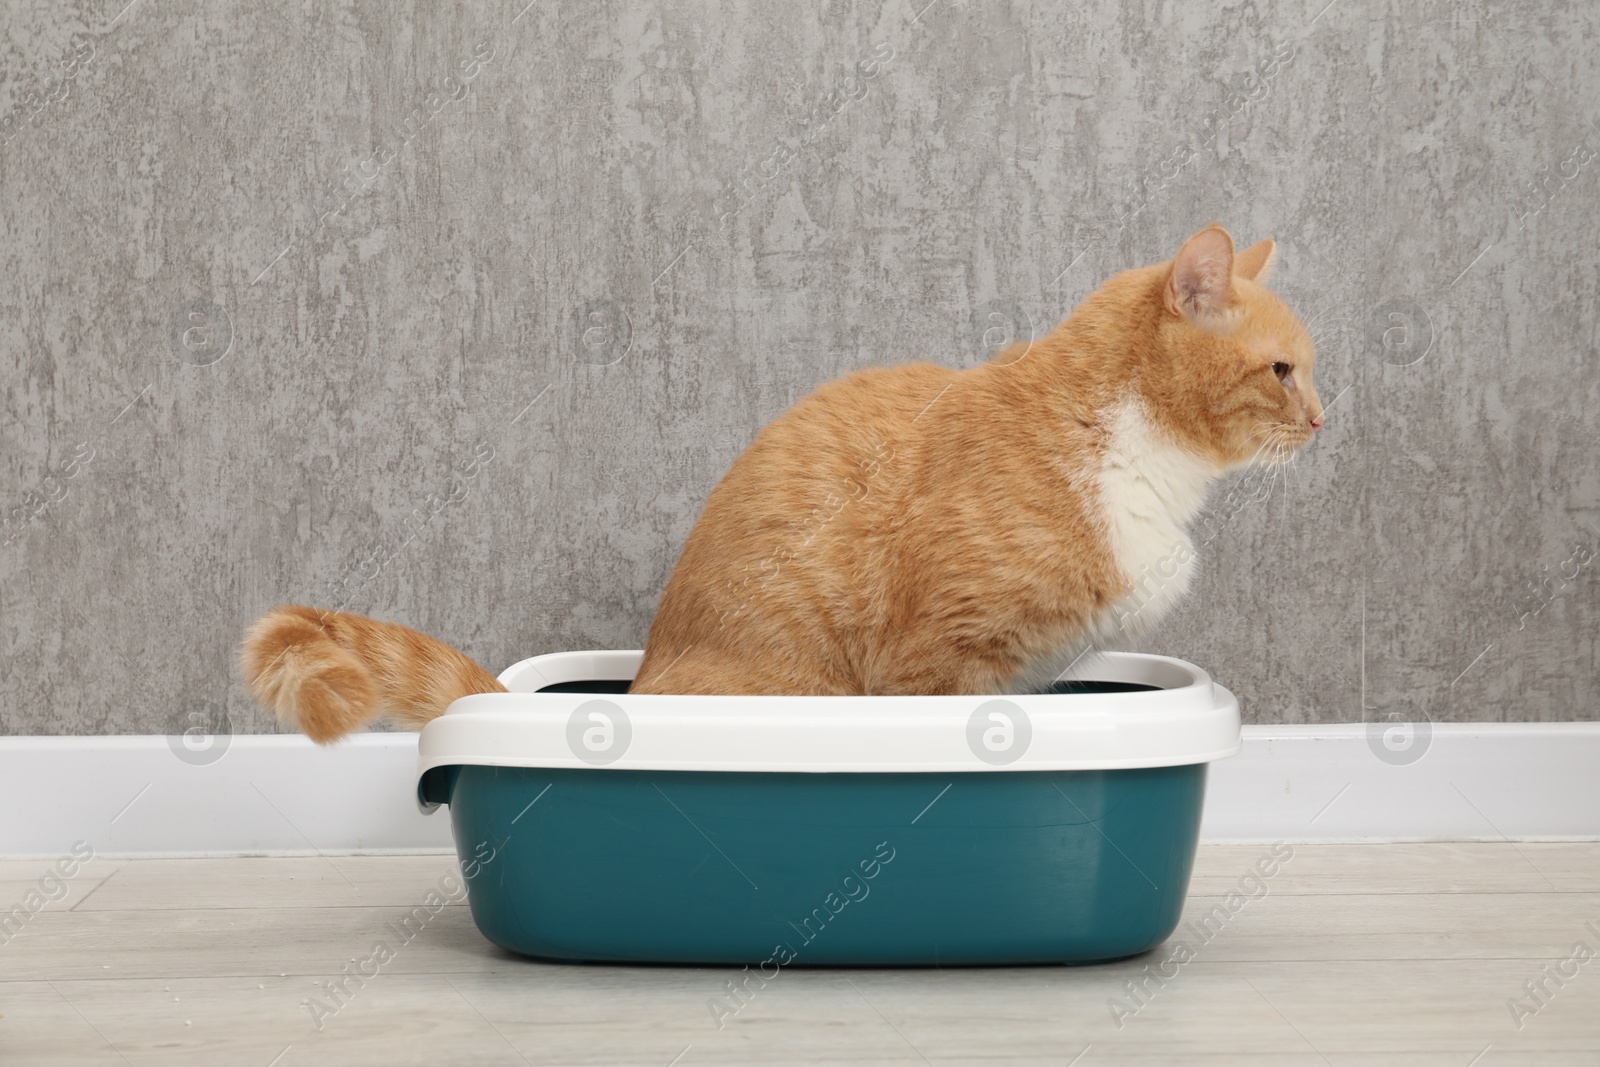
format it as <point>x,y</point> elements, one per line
<point>779,831</point>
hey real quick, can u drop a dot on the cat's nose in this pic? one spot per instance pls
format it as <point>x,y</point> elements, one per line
<point>1316,423</point>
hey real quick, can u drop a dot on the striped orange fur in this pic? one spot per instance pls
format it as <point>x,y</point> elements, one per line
<point>919,529</point>
<point>330,672</point>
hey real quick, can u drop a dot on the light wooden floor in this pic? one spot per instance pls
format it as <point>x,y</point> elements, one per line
<point>1375,955</point>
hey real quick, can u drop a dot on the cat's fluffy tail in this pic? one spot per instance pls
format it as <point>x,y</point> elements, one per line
<point>330,672</point>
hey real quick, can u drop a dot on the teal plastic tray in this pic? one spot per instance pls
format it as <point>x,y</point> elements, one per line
<point>782,868</point>
<point>809,869</point>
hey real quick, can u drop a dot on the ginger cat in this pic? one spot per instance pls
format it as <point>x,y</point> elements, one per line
<point>920,529</point>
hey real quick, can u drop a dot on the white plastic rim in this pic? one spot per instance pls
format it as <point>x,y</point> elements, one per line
<point>1187,719</point>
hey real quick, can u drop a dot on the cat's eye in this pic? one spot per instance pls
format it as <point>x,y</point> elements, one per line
<point>1284,373</point>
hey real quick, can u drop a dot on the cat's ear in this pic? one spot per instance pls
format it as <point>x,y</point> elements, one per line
<point>1256,262</point>
<point>1201,281</point>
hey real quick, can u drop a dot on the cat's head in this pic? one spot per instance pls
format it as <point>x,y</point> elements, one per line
<point>1233,374</point>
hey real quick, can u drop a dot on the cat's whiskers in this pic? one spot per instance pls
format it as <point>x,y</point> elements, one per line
<point>1269,433</point>
<point>1322,312</point>
<point>1276,443</point>
<point>1264,428</point>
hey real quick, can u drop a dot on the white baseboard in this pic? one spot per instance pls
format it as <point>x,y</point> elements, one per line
<point>280,794</point>
<point>1453,782</point>
<point>272,794</point>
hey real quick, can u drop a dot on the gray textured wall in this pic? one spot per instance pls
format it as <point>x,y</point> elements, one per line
<point>550,307</point>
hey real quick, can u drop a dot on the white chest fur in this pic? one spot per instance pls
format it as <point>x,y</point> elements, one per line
<point>1149,489</point>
